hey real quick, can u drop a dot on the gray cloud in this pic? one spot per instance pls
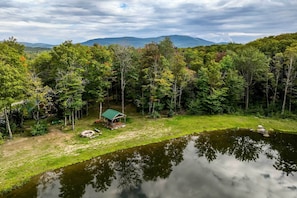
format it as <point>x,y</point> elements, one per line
<point>218,20</point>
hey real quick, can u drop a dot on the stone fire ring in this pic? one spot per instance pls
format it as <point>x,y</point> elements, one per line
<point>87,133</point>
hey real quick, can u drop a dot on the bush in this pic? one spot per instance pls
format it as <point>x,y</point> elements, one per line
<point>195,107</point>
<point>155,115</point>
<point>39,129</point>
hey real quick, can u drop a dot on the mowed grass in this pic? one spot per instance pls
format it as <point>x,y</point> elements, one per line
<point>24,157</point>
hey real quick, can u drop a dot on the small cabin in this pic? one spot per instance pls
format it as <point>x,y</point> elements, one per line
<point>114,119</point>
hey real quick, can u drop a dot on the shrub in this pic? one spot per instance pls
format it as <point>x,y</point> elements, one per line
<point>39,129</point>
<point>195,107</point>
<point>155,115</point>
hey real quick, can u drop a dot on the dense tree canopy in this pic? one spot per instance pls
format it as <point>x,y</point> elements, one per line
<point>159,79</point>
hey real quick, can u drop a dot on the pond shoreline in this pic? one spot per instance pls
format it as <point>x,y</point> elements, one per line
<point>25,157</point>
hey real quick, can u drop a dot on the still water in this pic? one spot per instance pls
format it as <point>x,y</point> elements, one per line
<point>215,164</point>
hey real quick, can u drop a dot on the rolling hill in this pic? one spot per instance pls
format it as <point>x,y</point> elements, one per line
<point>178,40</point>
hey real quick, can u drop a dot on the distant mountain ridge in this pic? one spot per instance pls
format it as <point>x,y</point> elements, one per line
<point>37,45</point>
<point>178,41</point>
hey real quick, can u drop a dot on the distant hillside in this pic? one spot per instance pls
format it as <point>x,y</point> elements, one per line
<point>37,45</point>
<point>178,41</point>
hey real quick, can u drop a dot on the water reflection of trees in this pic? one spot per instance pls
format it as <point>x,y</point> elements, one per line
<point>74,180</point>
<point>157,161</point>
<point>240,144</point>
<point>247,146</point>
<point>129,168</point>
<point>286,147</point>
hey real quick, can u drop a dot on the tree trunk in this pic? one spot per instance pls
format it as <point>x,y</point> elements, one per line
<point>142,102</point>
<point>100,110</point>
<point>275,89</point>
<point>247,95</point>
<point>123,90</point>
<point>267,93</point>
<point>22,120</point>
<point>87,109</point>
<point>65,120</point>
<point>290,99</point>
<point>7,123</point>
<point>180,98</point>
<point>72,112</point>
<point>38,110</point>
<point>174,95</point>
<point>287,86</point>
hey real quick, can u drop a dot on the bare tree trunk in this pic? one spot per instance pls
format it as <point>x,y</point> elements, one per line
<point>180,98</point>
<point>175,95</point>
<point>7,123</point>
<point>275,89</point>
<point>123,89</point>
<point>150,106</point>
<point>267,93</point>
<point>72,112</point>
<point>287,86</point>
<point>87,109</point>
<point>100,110</point>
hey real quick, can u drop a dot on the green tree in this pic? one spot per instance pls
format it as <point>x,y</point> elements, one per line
<point>70,89</point>
<point>122,65</point>
<point>97,74</point>
<point>68,56</point>
<point>180,78</point>
<point>277,62</point>
<point>13,72</point>
<point>44,69</point>
<point>253,66</point>
<point>233,82</point>
<point>156,78</point>
<point>12,89</point>
<point>193,58</point>
<point>39,96</point>
<point>167,49</point>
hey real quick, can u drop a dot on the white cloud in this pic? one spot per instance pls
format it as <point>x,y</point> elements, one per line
<point>54,21</point>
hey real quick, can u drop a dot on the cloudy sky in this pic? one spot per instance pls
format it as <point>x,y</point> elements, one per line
<point>54,21</point>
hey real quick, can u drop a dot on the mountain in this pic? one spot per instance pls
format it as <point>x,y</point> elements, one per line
<point>178,40</point>
<point>37,45</point>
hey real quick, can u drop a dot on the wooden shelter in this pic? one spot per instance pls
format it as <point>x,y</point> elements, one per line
<point>114,119</point>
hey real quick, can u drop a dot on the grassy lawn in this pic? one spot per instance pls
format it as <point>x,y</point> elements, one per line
<point>24,157</point>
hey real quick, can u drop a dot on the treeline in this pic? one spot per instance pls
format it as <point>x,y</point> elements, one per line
<point>258,77</point>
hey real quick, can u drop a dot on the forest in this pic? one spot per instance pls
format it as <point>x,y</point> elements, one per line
<point>258,78</point>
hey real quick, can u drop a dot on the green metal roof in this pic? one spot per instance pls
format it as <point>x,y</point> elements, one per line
<point>112,114</point>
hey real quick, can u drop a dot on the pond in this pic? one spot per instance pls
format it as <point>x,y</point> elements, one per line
<point>212,164</point>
